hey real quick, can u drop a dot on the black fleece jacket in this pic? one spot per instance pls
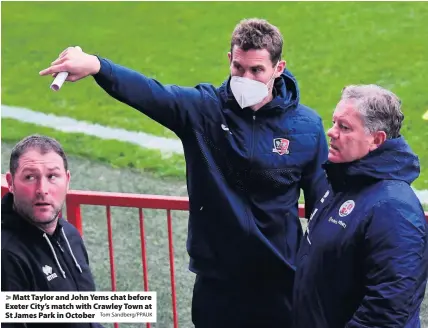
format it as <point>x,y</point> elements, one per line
<point>32,260</point>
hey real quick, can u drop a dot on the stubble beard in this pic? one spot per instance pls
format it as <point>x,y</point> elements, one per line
<point>26,211</point>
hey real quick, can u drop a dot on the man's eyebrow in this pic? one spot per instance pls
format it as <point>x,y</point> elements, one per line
<point>257,66</point>
<point>251,67</point>
<point>342,119</point>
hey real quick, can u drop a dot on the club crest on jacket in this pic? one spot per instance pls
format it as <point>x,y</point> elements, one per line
<point>346,208</point>
<point>280,146</point>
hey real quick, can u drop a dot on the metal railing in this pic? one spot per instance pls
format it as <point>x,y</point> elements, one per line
<point>76,198</point>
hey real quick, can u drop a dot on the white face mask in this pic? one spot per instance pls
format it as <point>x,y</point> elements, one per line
<point>249,92</point>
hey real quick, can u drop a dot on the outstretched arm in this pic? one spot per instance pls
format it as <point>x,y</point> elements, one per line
<point>170,105</point>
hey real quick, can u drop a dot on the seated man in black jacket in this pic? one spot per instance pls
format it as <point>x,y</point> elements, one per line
<point>40,251</point>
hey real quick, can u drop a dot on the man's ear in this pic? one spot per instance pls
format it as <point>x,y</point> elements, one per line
<point>280,68</point>
<point>68,180</point>
<point>229,55</point>
<point>379,138</point>
<point>9,181</point>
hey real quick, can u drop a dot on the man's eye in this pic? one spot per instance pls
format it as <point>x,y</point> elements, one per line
<point>29,177</point>
<point>344,127</point>
<point>52,177</point>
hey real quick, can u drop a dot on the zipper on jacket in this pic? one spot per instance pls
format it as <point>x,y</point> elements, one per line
<point>319,212</point>
<point>63,256</point>
<point>252,138</point>
<point>64,259</point>
<point>59,245</point>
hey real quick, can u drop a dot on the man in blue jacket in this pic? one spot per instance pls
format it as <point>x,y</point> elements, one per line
<point>250,146</point>
<point>363,261</point>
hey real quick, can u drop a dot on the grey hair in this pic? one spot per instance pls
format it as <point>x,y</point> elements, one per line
<point>41,143</point>
<point>380,109</point>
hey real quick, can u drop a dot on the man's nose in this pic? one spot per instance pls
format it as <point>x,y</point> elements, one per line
<point>248,75</point>
<point>332,133</point>
<point>42,186</point>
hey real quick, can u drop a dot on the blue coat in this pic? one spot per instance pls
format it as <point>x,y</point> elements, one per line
<point>363,261</point>
<point>244,169</point>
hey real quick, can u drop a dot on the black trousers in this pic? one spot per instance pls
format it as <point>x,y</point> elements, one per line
<point>234,304</point>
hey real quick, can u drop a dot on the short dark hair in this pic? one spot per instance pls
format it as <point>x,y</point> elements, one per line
<point>255,33</point>
<point>43,144</point>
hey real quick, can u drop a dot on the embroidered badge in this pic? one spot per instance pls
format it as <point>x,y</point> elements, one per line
<point>280,146</point>
<point>346,208</point>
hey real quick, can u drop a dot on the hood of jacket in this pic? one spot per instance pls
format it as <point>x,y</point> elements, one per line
<point>393,160</point>
<point>12,220</point>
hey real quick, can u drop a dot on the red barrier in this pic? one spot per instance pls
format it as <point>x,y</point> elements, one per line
<point>76,198</point>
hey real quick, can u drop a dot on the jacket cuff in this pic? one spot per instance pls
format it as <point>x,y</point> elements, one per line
<point>105,71</point>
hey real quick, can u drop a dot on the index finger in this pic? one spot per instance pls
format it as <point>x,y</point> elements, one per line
<point>53,69</point>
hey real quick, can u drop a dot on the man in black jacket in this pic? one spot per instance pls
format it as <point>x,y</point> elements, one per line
<point>39,250</point>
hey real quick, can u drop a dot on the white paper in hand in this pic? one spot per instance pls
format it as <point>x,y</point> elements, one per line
<point>61,77</point>
<point>59,80</point>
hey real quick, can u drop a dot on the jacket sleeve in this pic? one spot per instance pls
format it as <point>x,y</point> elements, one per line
<point>395,266</point>
<point>314,180</point>
<point>168,105</point>
<point>13,273</point>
